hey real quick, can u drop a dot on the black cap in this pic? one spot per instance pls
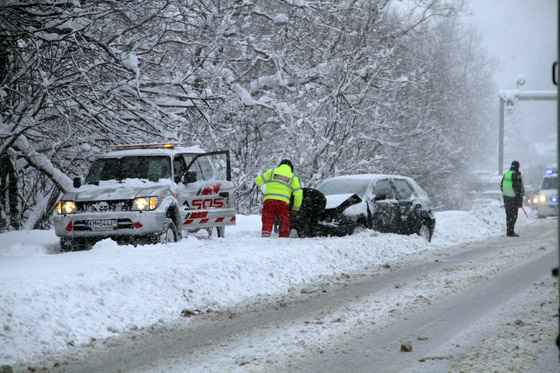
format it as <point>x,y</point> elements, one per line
<point>287,162</point>
<point>514,166</point>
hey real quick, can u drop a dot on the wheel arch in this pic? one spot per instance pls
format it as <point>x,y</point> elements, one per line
<point>174,214</point>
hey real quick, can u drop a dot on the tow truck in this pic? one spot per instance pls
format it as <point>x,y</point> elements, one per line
<point>145,194</point>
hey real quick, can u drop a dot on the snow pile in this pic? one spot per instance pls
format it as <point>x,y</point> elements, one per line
<point>50,302</point>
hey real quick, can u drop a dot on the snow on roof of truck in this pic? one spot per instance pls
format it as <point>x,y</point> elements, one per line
<point>150,149</point>
<point>170,145</point>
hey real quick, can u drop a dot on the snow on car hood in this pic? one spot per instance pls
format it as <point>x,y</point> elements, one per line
<point>335,200</point>
<point>125,189</point>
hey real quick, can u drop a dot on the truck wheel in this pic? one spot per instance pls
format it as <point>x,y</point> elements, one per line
<point>219,232</point>
<point>71,244</point>
<point>168,233</point>
<point>66,244</point>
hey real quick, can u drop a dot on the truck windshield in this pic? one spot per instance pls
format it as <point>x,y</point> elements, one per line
<point>550,183</point>
<point>136,167</point>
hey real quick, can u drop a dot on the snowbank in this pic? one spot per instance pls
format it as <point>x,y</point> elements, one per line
<point>50,302</point>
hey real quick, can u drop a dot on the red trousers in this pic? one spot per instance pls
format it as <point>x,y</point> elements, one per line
<point>275,208</point>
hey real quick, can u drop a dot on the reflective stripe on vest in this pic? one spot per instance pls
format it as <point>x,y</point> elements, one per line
<point>507,185</point>
<point>287,183</point>
<point>278,180</point>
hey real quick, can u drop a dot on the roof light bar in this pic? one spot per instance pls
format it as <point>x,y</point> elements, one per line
<point>169,145</point>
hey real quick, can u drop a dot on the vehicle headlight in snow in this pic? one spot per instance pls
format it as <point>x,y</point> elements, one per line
<point>145,203</point>
<point>66,207</point>
<point>542,198</point>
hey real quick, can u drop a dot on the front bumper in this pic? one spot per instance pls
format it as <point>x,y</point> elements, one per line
<point>547,209</point>
<point>110,224</point>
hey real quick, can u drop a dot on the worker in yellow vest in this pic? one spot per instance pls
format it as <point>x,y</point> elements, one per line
<point>281,184</point>
<point>513,192</point>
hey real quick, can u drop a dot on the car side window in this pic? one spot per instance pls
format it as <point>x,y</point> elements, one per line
<point>404,191</point>
<point>384,187</point>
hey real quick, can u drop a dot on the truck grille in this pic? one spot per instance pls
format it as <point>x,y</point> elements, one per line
<point>104,206</point>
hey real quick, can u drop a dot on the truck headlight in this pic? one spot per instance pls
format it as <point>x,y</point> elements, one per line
<point>542,198</point>
<point>145,203</point>
<point>66,207</point>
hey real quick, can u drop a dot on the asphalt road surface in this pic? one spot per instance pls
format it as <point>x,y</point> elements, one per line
<point>489,306</point>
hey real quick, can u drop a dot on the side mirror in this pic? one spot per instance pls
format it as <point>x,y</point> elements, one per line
<point>77,182</point>
<point>380,197</point>
<point>190,177</point>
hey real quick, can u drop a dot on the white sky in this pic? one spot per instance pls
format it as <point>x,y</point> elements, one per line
<point>522,35</point>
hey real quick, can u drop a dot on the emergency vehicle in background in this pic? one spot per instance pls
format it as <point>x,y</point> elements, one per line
<point>546,200</point>
<point>150,193</point>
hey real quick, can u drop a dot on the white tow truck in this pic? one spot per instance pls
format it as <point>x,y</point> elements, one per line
<point>149,193</point>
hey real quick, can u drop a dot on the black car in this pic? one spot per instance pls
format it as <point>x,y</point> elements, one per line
<point>385,203</point>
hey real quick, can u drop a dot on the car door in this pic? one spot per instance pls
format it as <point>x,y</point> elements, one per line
<point>407,221</point>
<point>206,191</point>
<point>384,216</point>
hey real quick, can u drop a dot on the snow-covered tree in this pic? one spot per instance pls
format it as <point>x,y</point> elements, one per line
<point>337,86</point>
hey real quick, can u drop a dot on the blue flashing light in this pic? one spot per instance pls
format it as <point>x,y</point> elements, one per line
<point>549,171</point>
<point>554,199</point>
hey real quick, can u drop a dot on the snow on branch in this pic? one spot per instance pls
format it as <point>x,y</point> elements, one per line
<point>43,163</point>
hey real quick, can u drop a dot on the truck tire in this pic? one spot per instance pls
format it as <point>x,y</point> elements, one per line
<point>168,233</point>
<point>72,244</point>
<point>219,232</point>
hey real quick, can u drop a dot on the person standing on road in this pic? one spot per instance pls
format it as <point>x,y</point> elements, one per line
<point>281,184</point>
<point>513,192</point>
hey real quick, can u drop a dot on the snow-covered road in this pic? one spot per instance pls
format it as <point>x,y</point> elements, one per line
<point>50,305</point>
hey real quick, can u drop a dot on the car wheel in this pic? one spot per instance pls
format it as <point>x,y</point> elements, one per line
<point>424,231</point>
<point>539,215</point>
<point>168,233</point>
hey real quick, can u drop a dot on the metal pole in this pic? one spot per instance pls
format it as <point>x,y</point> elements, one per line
<point>511,97</point>
<point>555,80</point>
<point>501,140</point>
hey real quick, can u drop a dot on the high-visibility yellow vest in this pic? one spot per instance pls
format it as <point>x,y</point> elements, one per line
<point>507,185</point>
<point>281,184</point>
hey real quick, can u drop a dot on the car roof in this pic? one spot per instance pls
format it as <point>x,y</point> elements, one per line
<point>371,177</point>
<point>375,177</point>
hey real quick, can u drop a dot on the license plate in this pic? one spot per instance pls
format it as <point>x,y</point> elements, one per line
<point>100,225</point>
